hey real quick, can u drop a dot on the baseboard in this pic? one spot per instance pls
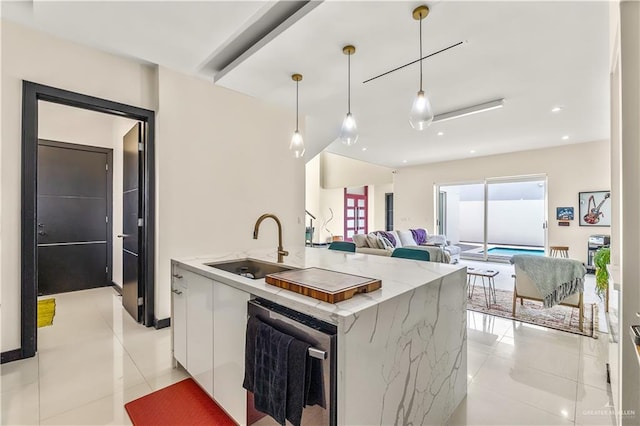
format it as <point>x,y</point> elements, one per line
<point>9,356</point>
<point>161,323</point>
<point>116,287</point>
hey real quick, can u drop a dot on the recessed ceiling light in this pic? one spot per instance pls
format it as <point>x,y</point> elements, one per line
<point>565,137</point>
<point>364,149</point>
<point>404,161</point>
<point>556,109</point>
<point>440,133</point>
<point>473,151</point>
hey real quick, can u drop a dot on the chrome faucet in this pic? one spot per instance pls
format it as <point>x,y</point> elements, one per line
<point>281,252</point>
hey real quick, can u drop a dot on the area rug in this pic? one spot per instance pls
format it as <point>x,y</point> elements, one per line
<point>46,312</point>
<point>564,318</point>
<point>182,403</point>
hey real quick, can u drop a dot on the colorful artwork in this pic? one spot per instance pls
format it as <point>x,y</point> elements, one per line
<point>564,213</point>
<point>595,208</point>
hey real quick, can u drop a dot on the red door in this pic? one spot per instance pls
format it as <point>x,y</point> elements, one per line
<point>355,213</point>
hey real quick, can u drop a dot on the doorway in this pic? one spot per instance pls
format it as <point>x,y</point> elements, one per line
<point>32,94</point>
<point>355,211</point>
<point>74,217</point>
<point>494,218</point>
<point>388,210</point>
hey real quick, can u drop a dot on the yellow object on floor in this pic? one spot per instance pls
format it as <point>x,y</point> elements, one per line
<point>46,312</point>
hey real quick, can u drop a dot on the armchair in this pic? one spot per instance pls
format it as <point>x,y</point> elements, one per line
<point>564,275</point>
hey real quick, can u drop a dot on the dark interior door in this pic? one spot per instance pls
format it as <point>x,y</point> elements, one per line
<point>73,217</point>
<point>132,288</point>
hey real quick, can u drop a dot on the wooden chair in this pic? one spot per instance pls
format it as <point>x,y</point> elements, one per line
<point>343,246</point>
<point>407,253</point>
<point>525,288</point>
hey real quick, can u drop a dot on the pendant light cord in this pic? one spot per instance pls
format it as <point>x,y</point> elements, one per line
<point>421,53</point>
<point>349,83</point>
<point>297,105</point>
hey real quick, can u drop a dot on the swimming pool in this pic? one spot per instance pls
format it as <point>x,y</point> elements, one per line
<point>504,251</point>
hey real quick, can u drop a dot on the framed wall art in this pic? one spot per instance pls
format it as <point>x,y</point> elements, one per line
<point>594,208</point>
<point>564,213</point>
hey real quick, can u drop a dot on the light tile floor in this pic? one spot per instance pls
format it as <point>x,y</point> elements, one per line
<point>95,358</point>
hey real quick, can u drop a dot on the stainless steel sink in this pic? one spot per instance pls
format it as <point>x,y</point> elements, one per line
<point>249,268</point>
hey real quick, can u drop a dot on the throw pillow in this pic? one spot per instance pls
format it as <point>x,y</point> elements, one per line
<point>397,237</point>
<point>406,238</point>
<point>372,241</point>
<point>360,240</point>
<point>386,244</point>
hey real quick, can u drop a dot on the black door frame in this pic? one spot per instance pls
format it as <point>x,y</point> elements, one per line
<point>109,173</point>
<point>31,94</point>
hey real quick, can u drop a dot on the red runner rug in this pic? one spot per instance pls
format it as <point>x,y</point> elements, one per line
<point>183,403</point>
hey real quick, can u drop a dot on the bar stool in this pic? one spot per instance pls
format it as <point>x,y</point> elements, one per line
<point>559,251</point>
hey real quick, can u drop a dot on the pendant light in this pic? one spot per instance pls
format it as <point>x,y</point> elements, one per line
<point>421,113</point>
<point>297,144</point>
<point>349,130</point>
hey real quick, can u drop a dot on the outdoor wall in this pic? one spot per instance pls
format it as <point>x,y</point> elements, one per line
<point>41,58</point>
<point>569,169</point>
<point>217,175</point>
<point>504,217</point>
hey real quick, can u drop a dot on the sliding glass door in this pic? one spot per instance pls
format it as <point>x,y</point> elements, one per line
<point>495,218</point>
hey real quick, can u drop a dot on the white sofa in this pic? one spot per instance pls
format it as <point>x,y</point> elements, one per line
<point>437,246</point>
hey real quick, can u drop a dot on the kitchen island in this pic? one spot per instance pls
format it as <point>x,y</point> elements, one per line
<point>401,350</point>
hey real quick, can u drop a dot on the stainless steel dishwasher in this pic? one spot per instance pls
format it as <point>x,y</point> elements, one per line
<point>322,338</point>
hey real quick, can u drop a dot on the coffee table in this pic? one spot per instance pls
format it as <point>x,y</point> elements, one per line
<point>489,275</point>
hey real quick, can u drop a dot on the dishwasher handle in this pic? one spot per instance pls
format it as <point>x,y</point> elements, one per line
<point>317,353</point>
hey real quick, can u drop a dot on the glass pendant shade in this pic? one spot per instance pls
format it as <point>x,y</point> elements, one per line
<point>349,130</point>
<point>421,113</point>
<point>297,145</point>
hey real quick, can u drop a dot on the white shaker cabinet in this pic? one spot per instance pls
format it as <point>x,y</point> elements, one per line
<point>179,293</point>
<point>229,327</point>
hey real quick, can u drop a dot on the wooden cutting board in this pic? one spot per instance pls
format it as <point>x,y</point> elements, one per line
<point>322,284</point>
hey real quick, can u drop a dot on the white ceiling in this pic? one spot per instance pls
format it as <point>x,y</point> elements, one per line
<point>536,55</point>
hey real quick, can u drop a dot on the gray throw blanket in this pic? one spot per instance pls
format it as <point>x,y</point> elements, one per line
<point>555,278</point>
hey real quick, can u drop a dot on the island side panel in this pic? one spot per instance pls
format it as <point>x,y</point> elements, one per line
<point>405,361</point>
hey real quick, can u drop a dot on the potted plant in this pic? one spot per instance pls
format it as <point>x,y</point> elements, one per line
<point>601,259</point>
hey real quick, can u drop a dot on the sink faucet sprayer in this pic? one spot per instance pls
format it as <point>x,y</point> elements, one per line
<point>281,251</point>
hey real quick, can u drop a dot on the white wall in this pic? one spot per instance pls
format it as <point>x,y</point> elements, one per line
<point>41,58</point>
<point>378,211</point>
<point>337,171</point>
<point>514,222</point>
<point>327,175</point>
<point>217,175</point>
<point>565,168</point>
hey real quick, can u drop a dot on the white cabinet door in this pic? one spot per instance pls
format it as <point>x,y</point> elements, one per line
<point>179,293</point>
<point>229,327</point>
<point>200,330</point>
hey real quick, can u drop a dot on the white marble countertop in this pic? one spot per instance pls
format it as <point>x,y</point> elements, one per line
<point>398,277</point>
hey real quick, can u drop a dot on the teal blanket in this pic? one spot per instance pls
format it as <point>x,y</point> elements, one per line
<point>556,278</point>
